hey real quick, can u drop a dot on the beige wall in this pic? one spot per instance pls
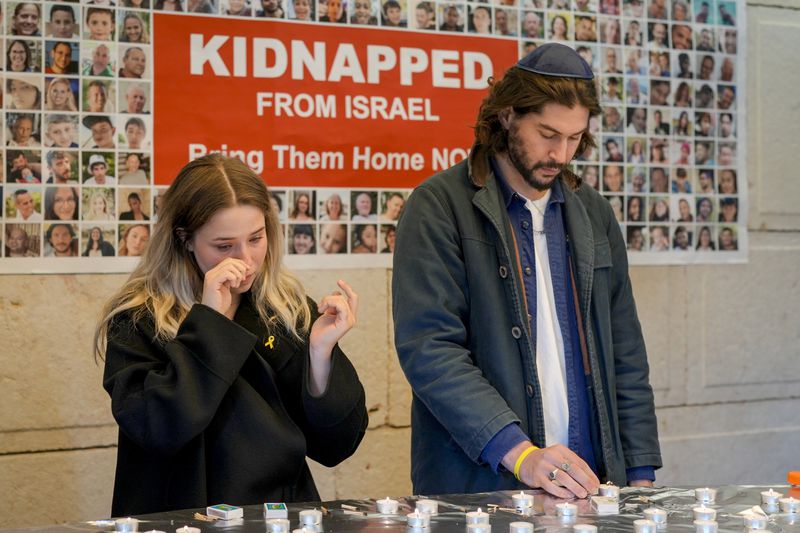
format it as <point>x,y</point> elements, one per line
<point>723,341</point>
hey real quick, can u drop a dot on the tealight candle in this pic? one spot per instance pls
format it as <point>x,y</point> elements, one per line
<point>187,529</point>
<point>387,506</point>
<point>479,528</point>
<point>418,519</point>
<point>126,525</point>
<point>278,525</point>
<point>770,497</point>
<point>310,517</point>
<point>520,527</point>
<point>522,500</point>
<point>789,505</point>
<point>755,522</point>
<point>430,507</point>
<point>477,517</point>
<point>705,495</point>
<point>704,513</point>
<point>610,490</point>
<point>584,528</point>
<point>644,526</point>
<point>705,526</point>
<point>155,531</point>
<point>566,509</point>
<point>659,516</point>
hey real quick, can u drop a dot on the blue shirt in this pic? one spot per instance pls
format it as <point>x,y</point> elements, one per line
<point>558,252</point>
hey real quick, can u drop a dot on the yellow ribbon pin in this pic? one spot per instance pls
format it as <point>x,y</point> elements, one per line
<point>269,344</point>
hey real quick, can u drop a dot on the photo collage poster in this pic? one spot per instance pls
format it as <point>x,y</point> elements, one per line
<point>78,150</point>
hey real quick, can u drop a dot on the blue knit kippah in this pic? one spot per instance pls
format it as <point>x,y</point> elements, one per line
<point>554,59</point>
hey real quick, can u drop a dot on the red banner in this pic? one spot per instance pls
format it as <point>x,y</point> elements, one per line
<point>304,108</point>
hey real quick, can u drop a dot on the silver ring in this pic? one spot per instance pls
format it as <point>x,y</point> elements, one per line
<point>565,467</point>
<point>552,475</point>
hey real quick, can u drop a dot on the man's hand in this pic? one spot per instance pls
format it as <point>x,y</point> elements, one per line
<point>572,476</point>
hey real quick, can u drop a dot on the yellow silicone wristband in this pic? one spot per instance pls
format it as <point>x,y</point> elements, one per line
<point>521,458</point>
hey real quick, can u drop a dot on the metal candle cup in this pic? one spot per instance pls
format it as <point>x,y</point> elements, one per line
<point>479,528</point>
<point>705,526</point>
<point>522,500</point>
<point>430,507</point>
<point>187,529</point>
<point>520,527</point>
<point>477,517</point>
<point>704,513</point>
<point>310,517</point>
<point>659,516</point>
<point>705,495</point>
<point>126,525</point>
<point>387,506</point>
<point>584,528</point>
<point>610,490</point>
<point>418,519</point>
<point>790,505</point>
<point>278,525</point>
<point>566,509</point>
<point>770,497</point>
<point>755,522</point>
<point>644,526</point>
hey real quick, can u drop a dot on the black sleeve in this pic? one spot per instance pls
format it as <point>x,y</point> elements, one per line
<point>163,395</point>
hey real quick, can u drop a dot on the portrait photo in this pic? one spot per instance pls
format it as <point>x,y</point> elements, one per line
<point>62,21</point>
<point>99,204</point>
<point>334,205</point>
<point>23,55</point>
<point>98,240</point>
<point>22,240</point>
<point>134,168</point>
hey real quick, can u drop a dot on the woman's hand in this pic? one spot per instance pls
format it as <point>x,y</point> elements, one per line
<point>338,316</point>
<point>226,275</point>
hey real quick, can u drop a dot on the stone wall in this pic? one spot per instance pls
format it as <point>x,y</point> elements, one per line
<point>722,340</point>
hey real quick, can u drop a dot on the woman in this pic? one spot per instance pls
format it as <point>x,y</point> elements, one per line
<point>133,175</point>
<point>17,242</point>
<point>133,29</point>
<point>168,5</point>
<point>238,8</point>
<point>134,240</point>
<point>365,239</point>
<point>138,4</point>
<point>559,28</point>
<point>61,203</point>
<point>333,208</point>
<point>302,208</point>
<point>390,237</point>
<point>303,240</point>
<point>23,95</point>
<point>18,57</point>
<point>657,151</point>
<point>659,212</point>
<point>211,308</point>
<point>635,210</point>
<point>96,97</point>
<point>704,240</point>
<point>480,20</point>
<point>611,32</point>
<point>98,207</point>
<point>97,246</point>
<point>684,211</point>
<point>135,212</point>
<point>59,96</point>
<point>684,127</point>
<point>683,96</point>
<point>636,155</point>
<point>26,19</point>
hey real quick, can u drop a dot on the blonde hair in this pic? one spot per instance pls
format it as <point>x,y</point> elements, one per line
<point>70,104</point>
<point>168,281</point>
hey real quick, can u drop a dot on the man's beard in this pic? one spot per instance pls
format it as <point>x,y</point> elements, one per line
<point>519,159</point>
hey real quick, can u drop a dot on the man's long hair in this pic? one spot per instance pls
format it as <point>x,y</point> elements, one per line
<point>526,92</point>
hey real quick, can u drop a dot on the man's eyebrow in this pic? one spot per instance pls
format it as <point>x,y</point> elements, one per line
<point>554,130</point>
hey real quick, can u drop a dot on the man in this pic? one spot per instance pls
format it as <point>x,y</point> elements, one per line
<point>392,14</point>
<point>135,99</point>
<point>501,25</point>
<point>452,16</point>
<point>96,97</point>
<point>362,13</point>
<point>101,62</point>
<point>705,180</point>
<point>727,155</point>
<point>61,60</point>
<point>270,9</point>
<point>134,62</point>
<point>706,68</point>
<point>59,164</point>
<point>22,132</point>
<point>637,121</point>
<point>658,36</point>
<point>702,13</point>
<point>26,207</point>
<point>726,70</point>
<point>681,37</point>
<point>726,127</point>
<point>532,25</point>
<point>706,43</point>
<point>135,134</point>
<point>612,178</point>
<point>633,35</point>
<point>682,239</point>
<point>612,155</point>
<point>491,256</point>
<point>727,97</point>
<point>703,153</point>
<point>99,24</point>
<point>63,241</point>
<point>19,162</point>
<point>425,15</point>
<point>612,66</point>
<point>102,130</point>
<point>98,169</point>
<point>62,22</point>
<point>584,29</point>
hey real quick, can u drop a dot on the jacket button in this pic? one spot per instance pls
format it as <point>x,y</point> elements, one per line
<point>529,390</point>
<point>528,271</point>
<point>525,224</point>
<point>503,271</point>
<point>516,332</point>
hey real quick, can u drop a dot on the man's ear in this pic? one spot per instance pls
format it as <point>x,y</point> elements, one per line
<point>505,117</point>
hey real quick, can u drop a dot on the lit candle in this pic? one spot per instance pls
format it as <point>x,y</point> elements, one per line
<point>755,522</point>
<point>704,513</point>
<point>705,495</point>
<point>770,497</point>
<point>584,528</point>
<point>278,525</point>
<point>644,526</point>
<point>477,517</point>
<point>789,505</point>
<point>479,528</point>
<point>388,506</point>
<point>659,516</point>
<point>126,525</point>
<point>310,517</point>
<point>430,507</point>
<point>566,509</point>
<point>187,529</point>
<point>610,490</point>
<point>418,519</point>
<point>705,526</point>
<point>522,500</point>
<point>520,527</point>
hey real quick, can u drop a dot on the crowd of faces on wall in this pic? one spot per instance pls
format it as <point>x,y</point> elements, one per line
<point>77,136</point>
